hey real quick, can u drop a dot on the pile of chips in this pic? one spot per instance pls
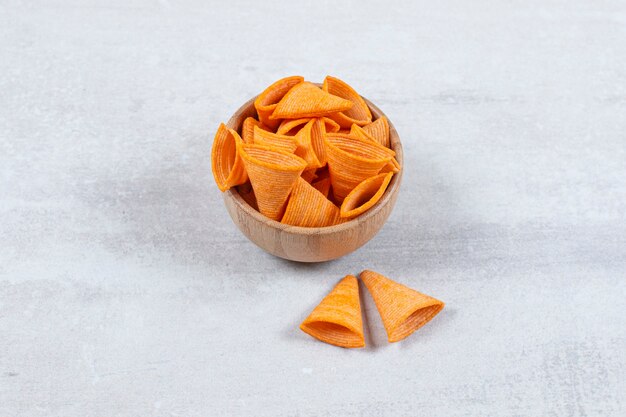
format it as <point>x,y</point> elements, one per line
<point>312,157</point>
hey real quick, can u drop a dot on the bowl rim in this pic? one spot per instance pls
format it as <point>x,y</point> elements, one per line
<point>393,187</point>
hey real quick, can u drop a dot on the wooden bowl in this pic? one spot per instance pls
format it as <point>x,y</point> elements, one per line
<point>312,244</point>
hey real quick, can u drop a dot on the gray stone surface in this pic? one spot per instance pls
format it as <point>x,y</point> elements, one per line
<point>125,290</point>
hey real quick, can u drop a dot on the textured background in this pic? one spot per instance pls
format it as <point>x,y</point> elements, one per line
<point>125,290</point>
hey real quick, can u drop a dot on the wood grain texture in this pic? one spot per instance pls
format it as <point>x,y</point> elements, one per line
<point>313,244</point>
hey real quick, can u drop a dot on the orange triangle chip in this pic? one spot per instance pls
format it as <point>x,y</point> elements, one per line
<point>359,113</point>
<point>307,207</point>
<point>305,147</point>
<point>266,102</point>
<point>402,309</point>
<point>359,132</point>
<point>282,142</point>
<point>337,319</point>
<point>247,130</point>
<point>308,100</point>
<point>318,135</point>
<point>226,164</point>
<point>273,173</point>
<point>365,195</point>
<point>352,160</point>
<point>379,130</point>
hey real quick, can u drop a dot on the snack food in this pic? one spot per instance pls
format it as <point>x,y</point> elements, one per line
<point>282,142</point>
<point>267,101</point>
<point>365,195</point>
<point>247,130</point>
<point>401,309</point>
<point>379,130</point>
<point>337,319</point>
<point>308,100</point>
<point>358,114</point>
<point>273,173</point>
<point>329,128</point>
<point>226,164</point>
<point>352,160</point>
<point>308,207</point>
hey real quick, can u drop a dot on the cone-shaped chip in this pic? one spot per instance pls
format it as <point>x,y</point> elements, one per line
<point>360,132</point>
<point>307,207</point>
<point>359,113</point>
<point>379,130</point>
<point>282,142</point>
<point>402,309</point>
<point>337,319</point>
<point>305,148</point>
<point>308,100</point>
<point>352,160</point>
<point>365,195</point>
<point>266,102</point>
<point>292,126</point>
<point>247,130</point>
<point>226,164</point>
<point>273,174</point>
